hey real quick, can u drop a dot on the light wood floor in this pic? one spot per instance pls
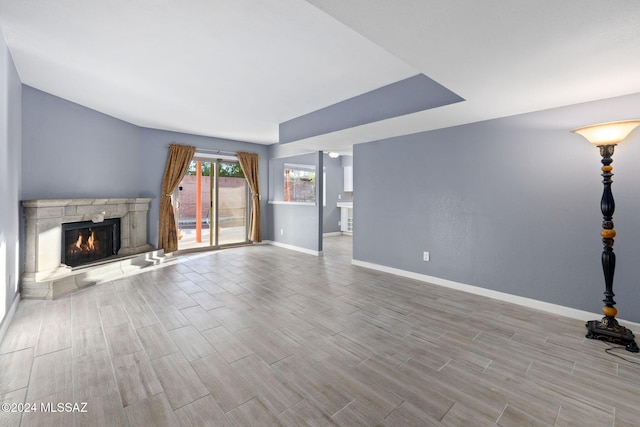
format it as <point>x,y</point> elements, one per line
<point>262,336</point>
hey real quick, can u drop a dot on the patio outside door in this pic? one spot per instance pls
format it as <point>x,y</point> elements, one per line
<point>211,205</point>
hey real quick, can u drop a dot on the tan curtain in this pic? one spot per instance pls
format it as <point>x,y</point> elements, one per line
<point>177,164</point>
<point>249,165</point>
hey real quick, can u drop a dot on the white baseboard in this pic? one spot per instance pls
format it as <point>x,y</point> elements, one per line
<point>293,248</point>
<point>502,296</point>
<point>7,319</point>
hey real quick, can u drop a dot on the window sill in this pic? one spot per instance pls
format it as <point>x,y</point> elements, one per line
<point>282,202</point>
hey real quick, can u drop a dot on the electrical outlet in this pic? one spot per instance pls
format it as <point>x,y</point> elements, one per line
<point>425,256</point>
<point>282,231</point>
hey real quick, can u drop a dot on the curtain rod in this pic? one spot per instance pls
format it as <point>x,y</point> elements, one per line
<point>212,150</point>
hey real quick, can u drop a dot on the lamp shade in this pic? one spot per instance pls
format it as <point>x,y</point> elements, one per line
<point>607,133</point>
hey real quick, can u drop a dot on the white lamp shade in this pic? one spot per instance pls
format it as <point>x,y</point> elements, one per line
<point>607,133</point>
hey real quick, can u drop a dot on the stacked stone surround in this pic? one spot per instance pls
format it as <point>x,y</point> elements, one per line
<point>45,277</point>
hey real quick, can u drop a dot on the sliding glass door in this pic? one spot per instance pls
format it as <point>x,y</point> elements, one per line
<point>212,205</point>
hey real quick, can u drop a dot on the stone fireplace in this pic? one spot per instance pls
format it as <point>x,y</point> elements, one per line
<point>63,234</point>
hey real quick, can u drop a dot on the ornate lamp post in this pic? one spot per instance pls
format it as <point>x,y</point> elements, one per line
<point>605,136</point>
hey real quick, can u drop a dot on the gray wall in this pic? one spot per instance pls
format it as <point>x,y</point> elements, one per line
<point>10,164</point>
<point>296,225</point>
<point>335,186</point>
<point>346,161</point>
<point>511,205</point>
<point>73,151</point>
<point>70,151</point>
<point>406,96</point>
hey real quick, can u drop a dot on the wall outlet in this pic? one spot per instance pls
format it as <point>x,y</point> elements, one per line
<point>282,231</point>
<point>339,223</point>
<point>425,256</point>
<point>339,196</point>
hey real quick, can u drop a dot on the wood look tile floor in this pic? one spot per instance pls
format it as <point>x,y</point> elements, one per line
<point>264,336</point>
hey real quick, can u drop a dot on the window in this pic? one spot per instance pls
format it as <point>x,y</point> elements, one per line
<point>299,183</point>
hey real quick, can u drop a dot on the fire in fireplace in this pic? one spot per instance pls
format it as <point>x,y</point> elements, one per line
<point>85,242</point>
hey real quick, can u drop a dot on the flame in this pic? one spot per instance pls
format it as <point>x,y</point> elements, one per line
<point>90,241</point>
<point>88,245</point>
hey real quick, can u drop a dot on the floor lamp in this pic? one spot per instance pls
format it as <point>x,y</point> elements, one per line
<point>605,136</point>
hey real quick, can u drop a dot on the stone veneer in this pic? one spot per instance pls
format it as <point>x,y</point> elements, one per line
<point>45,277</point>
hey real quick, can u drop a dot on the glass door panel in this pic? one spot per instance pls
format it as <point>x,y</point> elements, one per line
<point>211,205</point>
<point>193,206</point>
<point>232,204</point>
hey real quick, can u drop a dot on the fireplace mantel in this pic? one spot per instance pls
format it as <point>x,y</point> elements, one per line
<point>44,219</point>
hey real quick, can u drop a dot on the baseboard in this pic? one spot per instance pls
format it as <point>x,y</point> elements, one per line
<point>293,248</point>
<point>560,310</point>
<point>7,319</point>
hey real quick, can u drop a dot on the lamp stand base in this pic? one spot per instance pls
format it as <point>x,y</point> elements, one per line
<point>609,330</point>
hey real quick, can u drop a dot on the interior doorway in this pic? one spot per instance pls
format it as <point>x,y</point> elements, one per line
<point>212,205</point>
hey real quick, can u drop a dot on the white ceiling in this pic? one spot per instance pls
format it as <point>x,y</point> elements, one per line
<point>237,68</point>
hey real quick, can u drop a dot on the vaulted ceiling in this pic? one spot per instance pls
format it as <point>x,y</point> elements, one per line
<point>237,69</point>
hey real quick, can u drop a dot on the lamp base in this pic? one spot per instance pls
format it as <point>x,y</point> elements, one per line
<point>609,330</point>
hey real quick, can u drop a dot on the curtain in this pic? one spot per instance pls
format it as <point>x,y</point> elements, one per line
<point>177,164</point>
<point>249,165</point>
